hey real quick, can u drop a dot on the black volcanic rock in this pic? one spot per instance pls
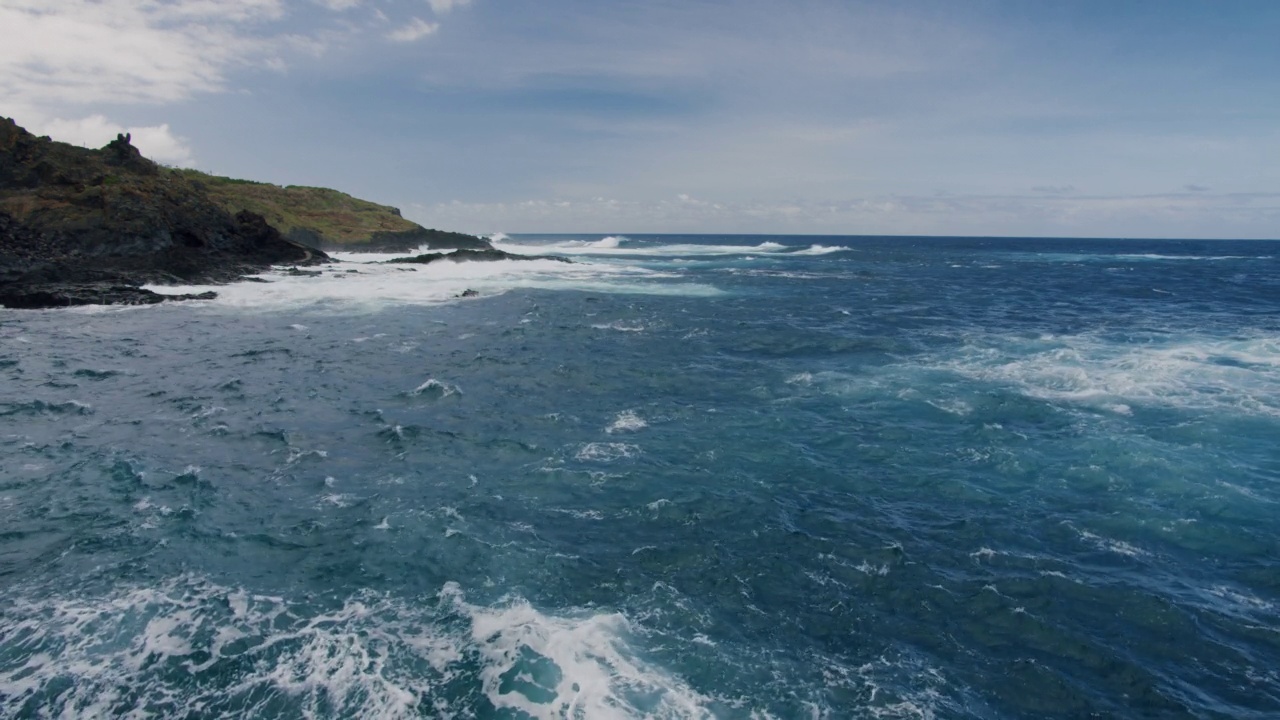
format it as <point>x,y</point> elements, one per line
<point>486,255</point>
<point>406,240</point>
<point>31,297</point>
<point>82,226</point>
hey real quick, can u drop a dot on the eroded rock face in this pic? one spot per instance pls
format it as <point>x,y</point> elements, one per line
<point>72,220</point>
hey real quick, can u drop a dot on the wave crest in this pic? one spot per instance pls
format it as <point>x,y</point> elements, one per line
<point>193,647</point>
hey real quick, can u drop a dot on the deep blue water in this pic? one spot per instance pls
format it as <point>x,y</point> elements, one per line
<point>684,477</point>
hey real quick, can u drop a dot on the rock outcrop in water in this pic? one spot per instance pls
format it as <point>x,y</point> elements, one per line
<point>486,255</point>
<point>80,226</point>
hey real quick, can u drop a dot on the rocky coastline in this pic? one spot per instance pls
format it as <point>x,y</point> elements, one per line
<point>471,255</point>
<point>92,226</point>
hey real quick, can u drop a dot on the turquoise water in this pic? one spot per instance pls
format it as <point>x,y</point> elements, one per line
<point>684,477</point>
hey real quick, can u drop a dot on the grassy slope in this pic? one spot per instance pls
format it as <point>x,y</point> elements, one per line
<point>337,216</point>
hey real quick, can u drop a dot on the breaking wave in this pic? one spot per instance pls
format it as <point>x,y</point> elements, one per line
<point>1198,374</point>
<point>194,647</point>
<point>363,283</point>
<point>622,246</point>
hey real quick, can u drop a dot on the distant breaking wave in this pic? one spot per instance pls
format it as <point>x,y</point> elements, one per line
<point>622,245</point>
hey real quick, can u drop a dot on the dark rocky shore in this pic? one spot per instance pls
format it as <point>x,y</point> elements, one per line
<point>81,227</point>
<point>396,242</point>
<point>488,254</point>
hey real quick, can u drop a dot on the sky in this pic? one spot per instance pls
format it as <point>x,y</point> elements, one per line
<point>1115,118</point>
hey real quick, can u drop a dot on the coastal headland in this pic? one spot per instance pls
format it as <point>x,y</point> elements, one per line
<point>92,226</point>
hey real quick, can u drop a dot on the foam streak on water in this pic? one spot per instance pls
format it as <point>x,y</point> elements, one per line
<point>681,477</point>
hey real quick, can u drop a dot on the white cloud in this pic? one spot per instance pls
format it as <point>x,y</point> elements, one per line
<point>441,7</point>
<point>85,52</point>
<point>1187,215</point>
<point>415,30</point>
<point>156,142</point>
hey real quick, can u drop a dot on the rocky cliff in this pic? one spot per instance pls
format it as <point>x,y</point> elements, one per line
<point>328,219</point>
<point>90,226</point>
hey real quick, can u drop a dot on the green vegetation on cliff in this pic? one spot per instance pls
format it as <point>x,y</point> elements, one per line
<point>335,216</point>
<point>81,226</point>
<point>92,226</point>
<point>326,218</point>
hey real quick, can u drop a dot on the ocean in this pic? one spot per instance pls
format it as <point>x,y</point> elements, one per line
<point>680,477</point>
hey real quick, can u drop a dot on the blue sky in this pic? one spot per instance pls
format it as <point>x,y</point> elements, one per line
<point>1102,119</point>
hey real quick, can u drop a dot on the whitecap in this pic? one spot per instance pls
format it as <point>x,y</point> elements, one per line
<point>953,406</point>
<point>570,667</point>
<point>1240,599</point>
<point>192,647</point>
<point>435,388</point>
<point>618,246</point>
<point>626,421</point>
<point>620,327</point>
<point>606,452</point>
<point>1232,375</point>
<point>341,500</point>
<point>1119,547</point>
<point>821,250</point>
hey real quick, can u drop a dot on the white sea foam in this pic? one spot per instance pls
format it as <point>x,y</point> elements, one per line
<point>582,664</point>
<point>1237,375</point>
<point>1158,256</point>
<point>1119,547</point>
<point>606,452</point>
<point>191,647</point>
<point>1126,257</point>
<point>626,421</point>
<point>864,567</point>
<point>341,500</point>
<point>617,246</point>
<point>580,514</point>
<point>359,282</point>
<point>620,327</point>
<point>821,250</point>
<point>435,388</point>
<point>953,406</point>
<point>1241,600</point>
